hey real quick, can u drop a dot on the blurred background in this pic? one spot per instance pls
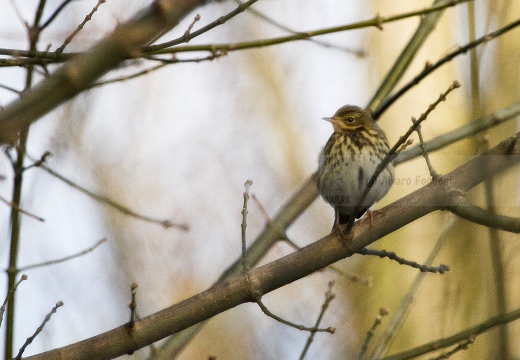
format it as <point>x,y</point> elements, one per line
<point>179,143</point>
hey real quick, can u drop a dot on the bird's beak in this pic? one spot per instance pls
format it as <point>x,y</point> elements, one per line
<point>332,120</point>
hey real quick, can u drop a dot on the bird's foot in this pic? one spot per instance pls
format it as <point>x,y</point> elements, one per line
<point>370,214</point>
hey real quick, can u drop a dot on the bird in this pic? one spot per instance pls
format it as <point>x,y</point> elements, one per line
<point>348,162</point>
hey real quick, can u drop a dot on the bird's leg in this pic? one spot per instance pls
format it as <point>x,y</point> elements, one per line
<point>339,221</point>
<point>337,224</point>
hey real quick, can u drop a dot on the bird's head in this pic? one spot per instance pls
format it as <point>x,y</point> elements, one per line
<point>350,118</point>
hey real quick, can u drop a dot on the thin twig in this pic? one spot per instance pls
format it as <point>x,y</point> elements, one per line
<point>128,77</point>
<point>245,265</point>
<point>437,344</point>
<point>462,346</point>
<point>123,209</point>
<point>38,330</point>
<point>404,146</point>
<point>33,36</point>
<point>187,35</point>
<point>173,59</point>
<point>441,269</point>
<point>370,333</point>
<point>80,27</point>
<point>132,306</point>
<point>267,218</point>
<point>39,162</point>
<point>163,63</point>
<point>329,296</point>
<point>10,295</point>
<point>56,12</point>
<point>8,88</point>
<point>279,25</point>
<point>221,20</point>
<point>19,14</point>
<point>66,258</point>
<point>267,312</point>
<point>426,156</point>
<point>19,209</point>
<point>363,280</point>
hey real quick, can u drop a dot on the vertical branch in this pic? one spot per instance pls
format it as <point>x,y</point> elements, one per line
<point>245,265</point>
<point>15,220</point>
<point>498,271</point>
<point>494,239</point>
<point>33,33</point>
<point>132,306</point>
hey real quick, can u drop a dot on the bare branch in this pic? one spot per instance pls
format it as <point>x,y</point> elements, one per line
<point>66,258</point>
<point>475,214</point>
<point>187,35</point>
<point>370,334</point>
<point>19,209</point>
<point>55,13</point>
<point>403,61</point>
<point>266,311</point>
<point>121,208</point>
<point>38,330</point>
<point>221,20</point>
<point>80,27</point>
<point>132,306</point>
<point>441,269</point>
<point>245,265</point>
<point>10,295</point>
<point>462,346</point>
<point>279,25</point>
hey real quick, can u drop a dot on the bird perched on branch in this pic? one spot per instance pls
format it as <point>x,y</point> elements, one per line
<point>348,163</point>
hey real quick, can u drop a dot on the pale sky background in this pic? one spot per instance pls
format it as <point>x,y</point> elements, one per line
<point>179,144</point>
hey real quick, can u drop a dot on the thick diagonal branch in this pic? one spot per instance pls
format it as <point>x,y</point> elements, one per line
<point>235,291</point>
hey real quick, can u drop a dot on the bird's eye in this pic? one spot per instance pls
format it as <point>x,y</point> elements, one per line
<point>350,119</point>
